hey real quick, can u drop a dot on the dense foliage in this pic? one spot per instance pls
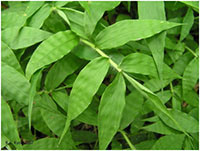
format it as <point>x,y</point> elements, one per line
<point>99,75</point>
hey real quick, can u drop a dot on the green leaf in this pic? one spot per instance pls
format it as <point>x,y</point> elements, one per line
<point>93,13</point>
<point>63,16</point>
<point>61,3</point>
<point>62,68</point>
<point>37,20</point>
<point>61,98</point>
<point>169,142</point>
<point>188,20</point>
<point>187,122</point>
<point>85,52</point>
<point>52,49</point>
<point>14,84</point>
<point>32,94</point>
<point>32,7</point>
<point>112,36</point>
<point>144,64</point>
<point>8,125</point>
<point>182,62</point>
<point>50,144</point>
<point>176,51</point>
<point>164,96</point>
<point>161,128</point>
<point>134,102</point>
<point>151,10</point>
<point>93,73</point>
<point>192,98</point>
<point>9,57</point>
<point>145,145</point>
<point>156,101</point>
<point>89,116</point>
<point>111,110</point>
<point>51,115</point>
<point>37,120</point>
<point>122,17</point>
<point>76,19</point>
<point>54,23</point>
<point>17,38</point>
<point>155,10</point>
<point>12,19</point>
<point>190,76</point>
<point>139,63</point>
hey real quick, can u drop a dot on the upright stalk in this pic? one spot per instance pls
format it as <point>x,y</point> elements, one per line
<point>127,140</point>
<point>191,51</point>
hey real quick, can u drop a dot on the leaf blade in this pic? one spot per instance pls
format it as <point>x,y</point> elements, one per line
<point>113,99</point>
<point>98,66</point>
<point>112,37</point>
<point>49,51</point>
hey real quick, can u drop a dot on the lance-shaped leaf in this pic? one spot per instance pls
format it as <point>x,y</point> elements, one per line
<point>32,8</point>
<point>17,38</point>
<point>161,128</point>
<point>182,62</point>
<point>14,84</point>
<point>188,20</point>
<point>62,68</point>
<point>9,57</point>
<point>187,122</point>
<point>154,10</point>
<point>51,144</point>
<point>61,98</point>
<point>37,120</point>
<point>190,76</point>
<point>139,63</point>
<point>32,94</point>
<point>110,111</point>
<point>143,64</point>
<point>76,19</point>
<point>8,125</point>
<point>63,16</point>
<point>51,115</point>
<point>133,30</point>
<point>52,49</point>
<point>169,142</point>
<point>93,13</point>
<point>160,107</point>
<point>40,16</point>
<point>82,91</point>
<point>134,103</point>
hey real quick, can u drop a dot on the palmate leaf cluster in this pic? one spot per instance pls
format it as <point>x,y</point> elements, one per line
<point>99,75</point>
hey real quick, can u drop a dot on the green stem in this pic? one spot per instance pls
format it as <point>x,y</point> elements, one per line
<point>191,51</point>
<point>60,88</point>
<point>127,140</point>
<point>102,54</point>
<point>171,88</point>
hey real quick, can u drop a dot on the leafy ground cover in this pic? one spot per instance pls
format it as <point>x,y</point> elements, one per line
<point>100,75</point>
